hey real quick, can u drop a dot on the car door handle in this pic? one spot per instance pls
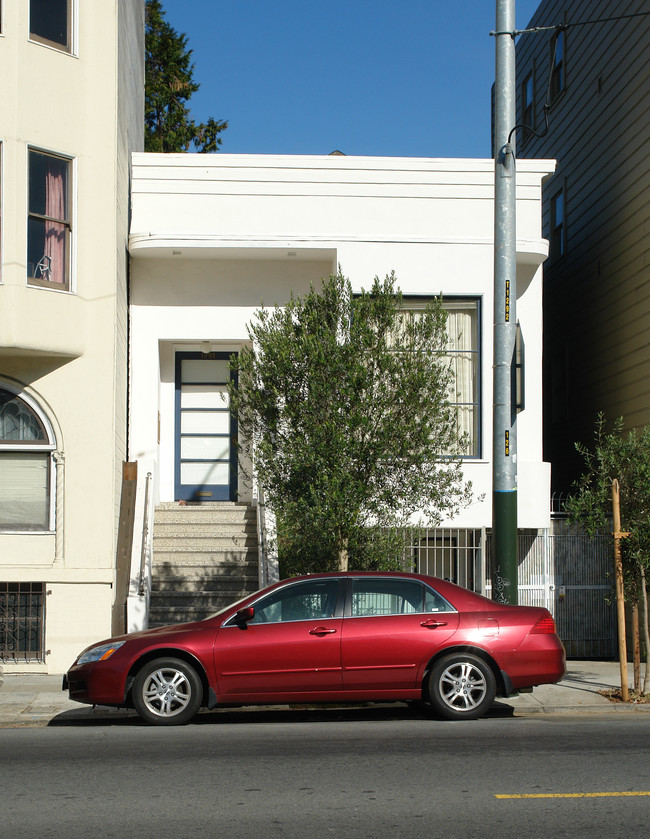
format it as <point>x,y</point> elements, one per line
<point>432,623</point>
<point>321,630</point>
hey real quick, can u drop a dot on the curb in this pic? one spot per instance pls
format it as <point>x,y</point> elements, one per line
<point>16,716</point>
<point>610,708</point>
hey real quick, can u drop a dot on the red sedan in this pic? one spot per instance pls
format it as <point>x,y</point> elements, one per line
<point>344,637</point>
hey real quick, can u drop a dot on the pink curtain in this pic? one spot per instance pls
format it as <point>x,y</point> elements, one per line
<point>55,232</point>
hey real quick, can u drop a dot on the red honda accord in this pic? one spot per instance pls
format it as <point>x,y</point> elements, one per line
<point>344,637</point>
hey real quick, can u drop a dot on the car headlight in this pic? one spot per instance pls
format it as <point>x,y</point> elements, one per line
<point>100,653</point>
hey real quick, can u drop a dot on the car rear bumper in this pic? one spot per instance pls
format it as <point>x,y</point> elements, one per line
<point>540,660</point>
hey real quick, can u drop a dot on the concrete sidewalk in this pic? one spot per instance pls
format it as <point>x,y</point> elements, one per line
<point>33,700</point>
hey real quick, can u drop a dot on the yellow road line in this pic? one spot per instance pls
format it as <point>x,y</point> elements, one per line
<point>574,795</point>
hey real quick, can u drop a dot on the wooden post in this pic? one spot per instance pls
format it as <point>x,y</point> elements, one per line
<point>620,596</point>
<point>124,546</point>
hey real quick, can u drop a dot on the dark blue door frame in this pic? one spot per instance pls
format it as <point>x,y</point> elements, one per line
<point>205,456</point>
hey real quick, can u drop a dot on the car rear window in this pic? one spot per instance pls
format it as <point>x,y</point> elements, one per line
<point>372,597</point>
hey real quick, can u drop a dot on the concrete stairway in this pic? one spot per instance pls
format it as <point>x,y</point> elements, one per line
<point>205,556</point>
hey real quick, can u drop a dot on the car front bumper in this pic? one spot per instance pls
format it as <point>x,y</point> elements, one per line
<point>96,683</point>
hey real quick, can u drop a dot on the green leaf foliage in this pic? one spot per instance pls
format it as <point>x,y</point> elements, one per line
<point>625,457</point>
<point>343,406</point>
<point>169,84</point>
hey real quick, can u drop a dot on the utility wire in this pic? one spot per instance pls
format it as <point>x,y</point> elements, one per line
<point>561,26</point>
<point>557,29</point>
<point>548,97</point>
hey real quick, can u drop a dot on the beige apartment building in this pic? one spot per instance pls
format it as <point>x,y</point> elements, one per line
<point>72,111</point>
<point>596,213</point>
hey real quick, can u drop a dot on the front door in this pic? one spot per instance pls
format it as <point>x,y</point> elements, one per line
<point>291,646</point>
<point>206,429</point>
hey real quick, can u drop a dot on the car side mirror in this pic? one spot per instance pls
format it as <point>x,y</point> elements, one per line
<point>243,616</point>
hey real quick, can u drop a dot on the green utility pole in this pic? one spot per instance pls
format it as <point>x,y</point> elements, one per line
<point>504,447</point>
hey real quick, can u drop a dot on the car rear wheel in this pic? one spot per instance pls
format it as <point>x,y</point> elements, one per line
<point>167,691</point>
<point>461,687</point>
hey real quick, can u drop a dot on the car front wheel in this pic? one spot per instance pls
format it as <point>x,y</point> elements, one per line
<point>461,687</point>
<point>167,691</point>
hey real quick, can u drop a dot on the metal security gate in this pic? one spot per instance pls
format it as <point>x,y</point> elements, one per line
<point>567,573</point>
<point>583,597</point>
<point>560,569</point>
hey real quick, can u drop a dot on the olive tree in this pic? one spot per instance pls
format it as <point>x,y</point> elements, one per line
<point>344,405</point>
<point>626,458</point>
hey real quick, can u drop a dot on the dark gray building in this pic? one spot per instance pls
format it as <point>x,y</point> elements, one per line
<point>595,75</point>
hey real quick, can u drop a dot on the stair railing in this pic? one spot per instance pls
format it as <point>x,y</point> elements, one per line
<point>141,558</point>
<point>145,547</point>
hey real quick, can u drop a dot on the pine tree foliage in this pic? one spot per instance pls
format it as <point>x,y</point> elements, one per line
<point>344,407</point>
<point>169,84</point>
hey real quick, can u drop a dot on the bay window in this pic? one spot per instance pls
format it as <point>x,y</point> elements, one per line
<point>49,220</point>
<point>50,23</point>
<point>25,466</point>
<point>463,354</point>
<point>1,192</point>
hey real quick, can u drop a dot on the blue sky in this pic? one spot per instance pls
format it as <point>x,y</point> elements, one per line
<point>367,77</point>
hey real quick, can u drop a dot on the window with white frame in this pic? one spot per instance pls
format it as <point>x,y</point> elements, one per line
<point>0,198</point>
<point>49,226</point>
<point>50,23</point>
<point>463,353</point>
<point>26,447</point>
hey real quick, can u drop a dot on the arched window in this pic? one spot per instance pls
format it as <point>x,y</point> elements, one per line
<point>26,446</point>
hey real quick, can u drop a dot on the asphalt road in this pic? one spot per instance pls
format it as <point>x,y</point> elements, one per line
<point>376,774</point>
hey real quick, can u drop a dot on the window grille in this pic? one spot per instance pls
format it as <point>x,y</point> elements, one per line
<point>454,554</point>
<point>22,622</point>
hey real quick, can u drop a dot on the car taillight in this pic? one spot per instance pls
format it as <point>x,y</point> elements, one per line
<point>544,626</point>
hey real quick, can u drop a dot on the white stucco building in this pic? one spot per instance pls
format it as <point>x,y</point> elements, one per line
<point>214,236</point>
<point>72,111</point>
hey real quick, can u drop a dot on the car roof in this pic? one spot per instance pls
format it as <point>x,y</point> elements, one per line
<point>458,596</point>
